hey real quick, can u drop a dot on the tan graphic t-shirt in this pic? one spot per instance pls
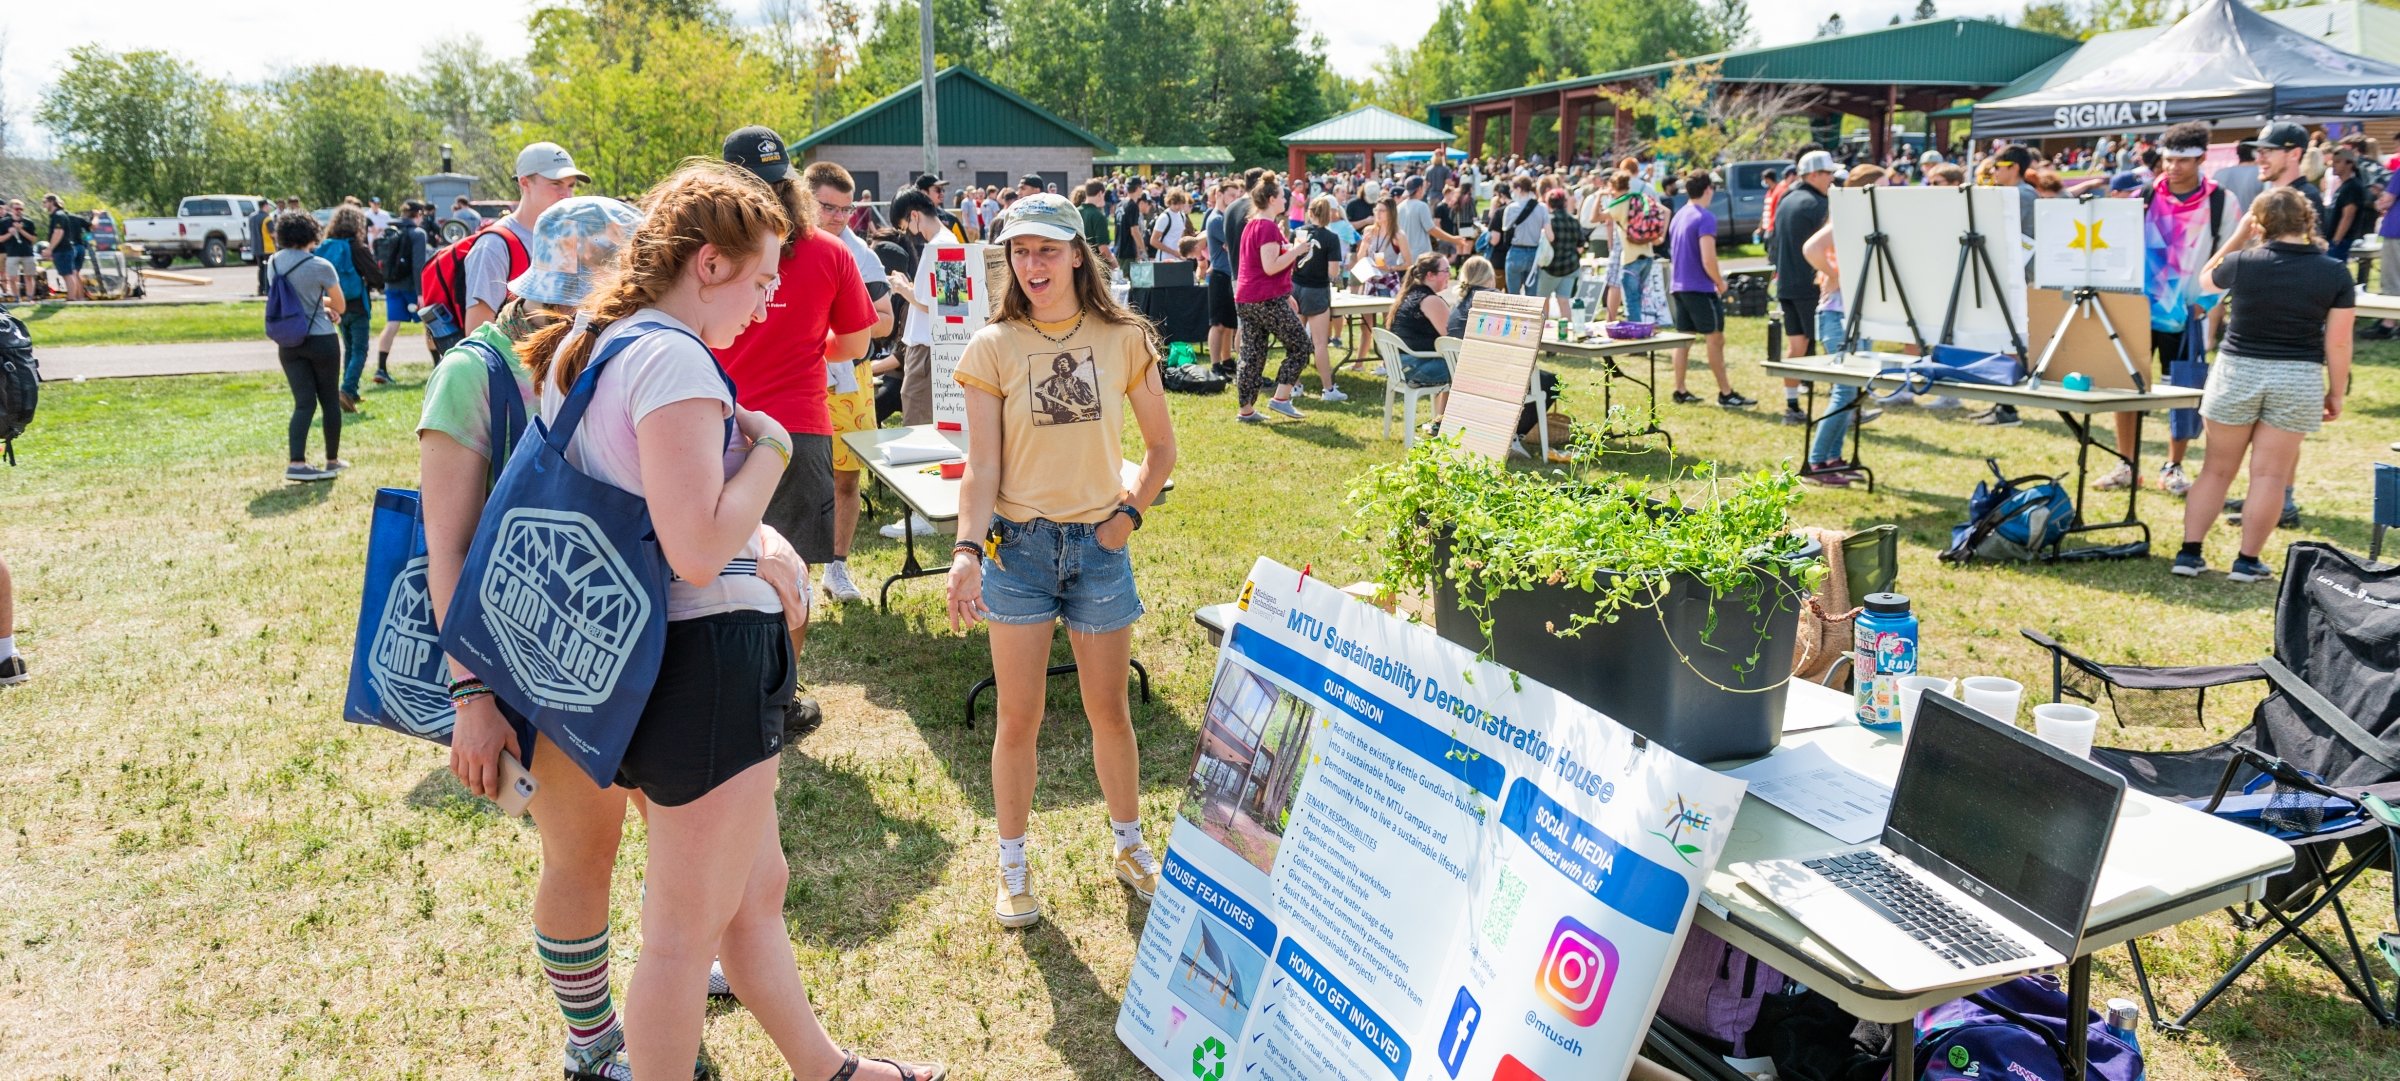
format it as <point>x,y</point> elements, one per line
<point>1062,413</point>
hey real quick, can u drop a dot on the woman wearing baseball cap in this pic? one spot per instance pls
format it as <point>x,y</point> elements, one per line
<point>1045,518</point>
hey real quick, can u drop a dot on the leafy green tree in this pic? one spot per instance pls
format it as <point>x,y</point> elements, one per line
<point>1499,44</point>
<point>136,127</point>
<point>471,99</point>
<point>2052,17</point>
<point>349,131</point>
<point>1832,26</point>
<point>671,94</point>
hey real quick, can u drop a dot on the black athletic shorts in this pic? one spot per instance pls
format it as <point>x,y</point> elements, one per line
<point>1799,321</point>
<point>2167,345</point>
<point>717,708</point>
<point>1220,300</point>
<point>802,507</point>
<point>1697,313</point>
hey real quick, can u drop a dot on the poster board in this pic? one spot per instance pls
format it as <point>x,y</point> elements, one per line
<point>1390,862</point>
<point>1923,227</point>
<point>2088,244</point>
<point>957,281</point>
<point>1494,370</point>
<point>2085,348</point>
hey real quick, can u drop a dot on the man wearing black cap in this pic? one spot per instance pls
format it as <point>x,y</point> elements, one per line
<point>1029,184</point>
<point>934,189</point>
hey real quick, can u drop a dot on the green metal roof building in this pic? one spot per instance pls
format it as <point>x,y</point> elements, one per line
<point>1923,66</point>
<point>990,136</point>
<point>1368,130</point>
<point>1146,159</point>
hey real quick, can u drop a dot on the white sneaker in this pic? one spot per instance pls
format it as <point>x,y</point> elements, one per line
<point>2117,480</point>
<point>838,587</point>
<point>916,523</point>
<point>2171,478</point>
<point>1333,394</point>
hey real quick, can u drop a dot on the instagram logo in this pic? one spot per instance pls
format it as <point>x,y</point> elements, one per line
<point>1577,968</point>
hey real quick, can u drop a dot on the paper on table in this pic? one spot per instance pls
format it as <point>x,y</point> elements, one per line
<point>1812,787</point>
<point>1364,270</point>
<point>919,447</point>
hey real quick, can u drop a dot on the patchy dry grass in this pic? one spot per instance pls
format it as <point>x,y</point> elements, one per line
<point>204,872</point>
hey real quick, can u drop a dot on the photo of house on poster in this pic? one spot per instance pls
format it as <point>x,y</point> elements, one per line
<point>955,281</point>
<point>1392,863</point>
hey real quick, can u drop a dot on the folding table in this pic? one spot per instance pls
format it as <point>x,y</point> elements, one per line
<point>1606,350</point>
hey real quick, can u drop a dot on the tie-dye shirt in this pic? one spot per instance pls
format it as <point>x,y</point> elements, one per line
<point>2178,242</point>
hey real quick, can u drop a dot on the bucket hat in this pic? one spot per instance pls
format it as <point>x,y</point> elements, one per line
<point>573,242</point>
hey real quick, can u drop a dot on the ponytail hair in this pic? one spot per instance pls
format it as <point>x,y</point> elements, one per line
<point>704,202</point>
<point>1419,269</point>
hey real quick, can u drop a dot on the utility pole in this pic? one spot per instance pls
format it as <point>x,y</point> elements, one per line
<point>925,94</point>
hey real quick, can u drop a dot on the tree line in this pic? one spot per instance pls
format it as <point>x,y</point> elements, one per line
<point>633,86</point>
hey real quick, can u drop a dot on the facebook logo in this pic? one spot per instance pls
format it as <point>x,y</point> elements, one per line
<point>1459,1031</point>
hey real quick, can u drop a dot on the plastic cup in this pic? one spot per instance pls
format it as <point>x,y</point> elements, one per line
<point>2066,726</point>
<point>953,470</point>
<point>1995,695</point>
<point>1913,688</point>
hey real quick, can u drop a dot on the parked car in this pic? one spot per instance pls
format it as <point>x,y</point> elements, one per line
<point>1739,200</point>
<point>205,227</point>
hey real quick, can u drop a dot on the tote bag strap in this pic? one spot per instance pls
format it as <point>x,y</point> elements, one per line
<point>506,406</point>
<point>579,399</point>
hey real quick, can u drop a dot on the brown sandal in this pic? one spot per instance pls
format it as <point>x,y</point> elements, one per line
<point>917,1071</point>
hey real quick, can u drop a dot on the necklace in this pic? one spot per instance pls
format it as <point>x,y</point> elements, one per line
<point>1060,339</point>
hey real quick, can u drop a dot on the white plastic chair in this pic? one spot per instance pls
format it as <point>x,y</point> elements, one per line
<point>1389,347</point>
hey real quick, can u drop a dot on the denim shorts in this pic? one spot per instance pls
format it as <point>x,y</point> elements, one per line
<point>1051,569</point>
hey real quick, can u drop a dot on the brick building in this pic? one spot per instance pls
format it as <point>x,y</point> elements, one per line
<point>989,136</point>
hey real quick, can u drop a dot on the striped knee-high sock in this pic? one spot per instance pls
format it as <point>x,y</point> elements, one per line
<point>578,971</point>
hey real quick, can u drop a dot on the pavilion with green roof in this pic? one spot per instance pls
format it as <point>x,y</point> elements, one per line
<point>1367,130</point>
<point>1147,159</point>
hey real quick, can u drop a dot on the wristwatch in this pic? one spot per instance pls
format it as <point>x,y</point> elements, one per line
<point>1130,511</point>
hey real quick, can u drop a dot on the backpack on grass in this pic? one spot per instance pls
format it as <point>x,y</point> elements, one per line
<point>2014,518</point>
<point>2017,1031</point>
<point>20,383</point>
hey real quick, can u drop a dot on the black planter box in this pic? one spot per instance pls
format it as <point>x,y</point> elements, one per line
<point>1632,669</point>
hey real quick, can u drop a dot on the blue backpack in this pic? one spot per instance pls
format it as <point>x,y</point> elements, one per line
<point>345,267</point>
<point>2011,518</point>
<point>288,320</point>
<point>1955,364</point>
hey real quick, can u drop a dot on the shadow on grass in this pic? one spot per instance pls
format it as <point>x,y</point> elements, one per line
<point>855,866</point>
<point>439,791</point>
<point>1321,435</point>
<point>1081,1032</point>
<point>287,498</point>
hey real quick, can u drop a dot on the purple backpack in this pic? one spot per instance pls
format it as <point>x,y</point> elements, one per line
<point>2016,1032</point>
<point>1715,993</point>
<point>288,319</point>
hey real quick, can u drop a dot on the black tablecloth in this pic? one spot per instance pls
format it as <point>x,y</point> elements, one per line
<point>1179,312</point>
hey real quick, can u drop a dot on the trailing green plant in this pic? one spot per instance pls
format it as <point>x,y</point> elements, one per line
<point>1619,538</point>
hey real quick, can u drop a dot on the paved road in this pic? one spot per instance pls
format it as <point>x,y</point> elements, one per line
<point>67,362</point>
<point>224,283</point>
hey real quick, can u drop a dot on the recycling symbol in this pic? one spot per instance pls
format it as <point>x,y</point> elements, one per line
<point>1959,1057</point>
<point>1208,1060</point>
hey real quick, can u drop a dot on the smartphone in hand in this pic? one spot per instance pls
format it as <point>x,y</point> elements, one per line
<point>516,786</point>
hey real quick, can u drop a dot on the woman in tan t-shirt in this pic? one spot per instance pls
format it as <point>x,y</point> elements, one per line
<point>1044,518</point>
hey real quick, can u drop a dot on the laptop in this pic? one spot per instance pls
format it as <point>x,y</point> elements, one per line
<point>1987,865</point>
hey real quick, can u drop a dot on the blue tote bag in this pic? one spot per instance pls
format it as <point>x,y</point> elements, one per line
<point>562,607</point>
<point>399,678</point>
<point>1956,364</point>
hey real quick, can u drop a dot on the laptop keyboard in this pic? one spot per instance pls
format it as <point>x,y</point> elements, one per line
<point>1960,938</point>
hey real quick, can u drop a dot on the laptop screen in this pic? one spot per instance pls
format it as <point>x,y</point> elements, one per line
<point>2025,819</point>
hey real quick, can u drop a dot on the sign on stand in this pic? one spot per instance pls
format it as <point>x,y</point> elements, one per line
<point>958,280</point>
<point>1392,861</point>
<point>1494,371</point>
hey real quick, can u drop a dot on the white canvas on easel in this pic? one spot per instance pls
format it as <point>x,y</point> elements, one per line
<point>2088,244</point>
<point>1923,230</point>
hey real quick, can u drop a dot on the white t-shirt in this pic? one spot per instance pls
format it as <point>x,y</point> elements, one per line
<point>487,266</point>
<point>1166,237</point>
<point>663,368</point>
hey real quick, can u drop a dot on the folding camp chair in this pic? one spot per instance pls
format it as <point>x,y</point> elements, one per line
<point>2322,745</point>
<point>1860,563</point>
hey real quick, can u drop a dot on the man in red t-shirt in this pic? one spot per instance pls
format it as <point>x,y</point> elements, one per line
<point>819,312</point>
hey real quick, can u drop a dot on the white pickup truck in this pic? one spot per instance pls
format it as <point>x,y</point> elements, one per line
<point>204,226</point>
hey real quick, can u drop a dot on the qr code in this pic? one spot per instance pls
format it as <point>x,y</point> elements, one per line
<point>1501,918</point>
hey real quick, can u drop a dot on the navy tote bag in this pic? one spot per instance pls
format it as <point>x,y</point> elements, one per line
<point>399,678</point>
<point>562,607</point>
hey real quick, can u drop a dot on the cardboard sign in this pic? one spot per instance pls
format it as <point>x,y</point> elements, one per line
<point>2086,347</point>
<point>955,281</point>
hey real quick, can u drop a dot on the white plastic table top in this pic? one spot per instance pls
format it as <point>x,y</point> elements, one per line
<point>1346,302</point>
<point>2177,863</point>
<point>927,493</point>
<point>2378,305</point>
<point>1610,347</point>
<point>1858,370</point>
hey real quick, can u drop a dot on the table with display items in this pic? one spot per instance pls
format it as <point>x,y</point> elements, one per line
<point>2075,408</point>
<point>2167,863</point>
<point>921,488</point>
<point>1605,350</point>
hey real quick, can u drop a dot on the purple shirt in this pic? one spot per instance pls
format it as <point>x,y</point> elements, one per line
<point>1684,234</point>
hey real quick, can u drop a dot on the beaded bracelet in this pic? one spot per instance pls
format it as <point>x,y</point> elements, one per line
<point>777,446</point>
<point>466,683</point>
<point>460,698</point>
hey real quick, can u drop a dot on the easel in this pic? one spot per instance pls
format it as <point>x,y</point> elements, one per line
<point>2084,302</point>
<point>1971,249</point>
<point>1877,266</point>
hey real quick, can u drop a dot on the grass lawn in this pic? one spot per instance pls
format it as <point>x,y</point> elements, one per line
<point>232,321</point>
<point>207,873</point>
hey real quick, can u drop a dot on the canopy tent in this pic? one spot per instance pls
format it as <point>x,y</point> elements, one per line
<point>2222,62</point>
<point>1424,155</point>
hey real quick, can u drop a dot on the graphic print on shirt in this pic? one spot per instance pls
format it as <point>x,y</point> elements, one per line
<point>1066,387</point>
